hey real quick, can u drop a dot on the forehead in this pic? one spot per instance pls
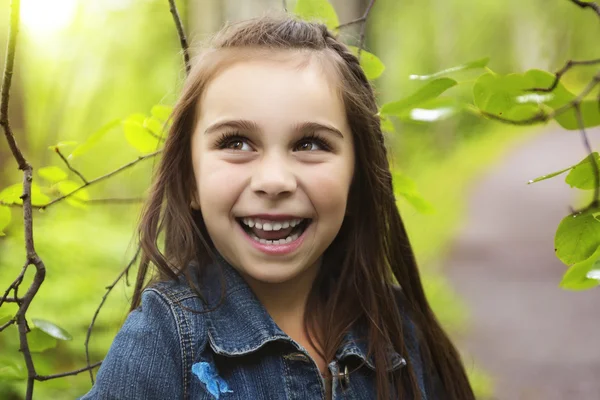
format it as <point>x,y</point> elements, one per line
<point>274,89</point>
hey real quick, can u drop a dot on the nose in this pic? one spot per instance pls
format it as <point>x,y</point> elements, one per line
<point>273,177</point>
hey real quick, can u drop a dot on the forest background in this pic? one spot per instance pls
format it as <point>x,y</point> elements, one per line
<point>88,74</point>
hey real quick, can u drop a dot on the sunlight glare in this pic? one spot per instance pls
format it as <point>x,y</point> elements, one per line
<point>47,17</point>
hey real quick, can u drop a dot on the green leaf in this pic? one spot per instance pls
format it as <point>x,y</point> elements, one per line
<point>370,63</point>
<point>40,341</point>
<point>589,113</point>
<point>155,126</point>
<point>12,194</point>
<point>582,174</point>
<point>577,237</point>
<point>77,199</point>
<point>52,329</point>
<point>52,174</point>
<point>430,91</point>
<point>94,138</point>
<point>11,370</point>
<point>317,10</point>
<point>432,110</point>
<point>161,112</point>
<point>551,175</point>
<point>578,275</point>
<point>5,217</point>
<point>481,63</point>
<point>407,188</point>
<point>498,95</point>
<point>67,143</point>
<point>140,137</point>
<point>510,97</point>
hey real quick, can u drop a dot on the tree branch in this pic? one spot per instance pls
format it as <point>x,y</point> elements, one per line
<point>108,290</point>
<point>7,81</point>
<point>181,34</point>
<point>361,41</point>
<point>586,4</point>
<point>558,75</point>
<point>101,178</point>
<point>590,151</point>
<point>48,377</point>
<point>79,174</point>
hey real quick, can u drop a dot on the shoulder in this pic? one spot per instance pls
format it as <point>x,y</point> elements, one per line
<point>155,347</point>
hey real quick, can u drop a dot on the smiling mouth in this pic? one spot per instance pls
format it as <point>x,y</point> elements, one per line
<point>273,233</point>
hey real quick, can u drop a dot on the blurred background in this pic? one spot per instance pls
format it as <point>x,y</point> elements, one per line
<point>485,248</point>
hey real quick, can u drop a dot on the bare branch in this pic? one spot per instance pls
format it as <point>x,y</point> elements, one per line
<point>48,377</point>
<point>181,33</point>
<point>361,41</point>
<point>15,285</point>
<point>590,4</point>
<point>558,75</point>
<point>79,174</point>
<point>108,290</point>
<point>590,151</point>
<point>7,324</point>
<point>6,83</point>
<point>101,178</point>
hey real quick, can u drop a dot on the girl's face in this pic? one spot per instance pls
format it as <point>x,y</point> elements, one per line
<point>273,160</point>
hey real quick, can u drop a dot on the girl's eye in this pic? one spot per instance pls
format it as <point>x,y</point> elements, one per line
<point>233,141</point>
<point>313,143</point>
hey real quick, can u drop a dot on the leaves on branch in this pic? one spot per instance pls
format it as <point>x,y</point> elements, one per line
<point>317,10</point>
<point>428,92</point>
<point>583,275</point>
<point>481,63</point>
<point>582,175</point>
<point>577,237</point>
<point>370,63</point>
<point>52,329</point>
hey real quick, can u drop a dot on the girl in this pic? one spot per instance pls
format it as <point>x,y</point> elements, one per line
<point>282,240</point>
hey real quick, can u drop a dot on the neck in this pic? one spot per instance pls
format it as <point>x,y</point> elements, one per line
<point>286,301</point>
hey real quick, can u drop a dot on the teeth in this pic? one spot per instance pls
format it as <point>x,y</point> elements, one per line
<point>288,239</point>
<point>271,225</point>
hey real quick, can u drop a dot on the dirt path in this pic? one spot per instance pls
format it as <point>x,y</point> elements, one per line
<point>538,341</point>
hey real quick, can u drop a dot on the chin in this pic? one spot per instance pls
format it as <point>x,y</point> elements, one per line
<point>271,275</point>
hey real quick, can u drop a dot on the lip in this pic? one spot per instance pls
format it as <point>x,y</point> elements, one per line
<point>274,249</point>
<point>273,217</point>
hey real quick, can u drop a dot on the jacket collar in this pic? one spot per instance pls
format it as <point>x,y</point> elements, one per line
<point>241,324</point>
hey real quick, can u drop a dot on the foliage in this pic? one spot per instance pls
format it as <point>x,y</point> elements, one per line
<point>437,98</point>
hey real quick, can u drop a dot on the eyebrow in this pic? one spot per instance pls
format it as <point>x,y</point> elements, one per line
<point>247,125</point>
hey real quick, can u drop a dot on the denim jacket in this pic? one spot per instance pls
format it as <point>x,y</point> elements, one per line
<point>165,350</point>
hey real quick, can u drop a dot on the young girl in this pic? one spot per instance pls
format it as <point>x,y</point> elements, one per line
<point>282,241</point>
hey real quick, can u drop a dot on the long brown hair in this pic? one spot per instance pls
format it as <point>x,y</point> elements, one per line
<point>370,252</point>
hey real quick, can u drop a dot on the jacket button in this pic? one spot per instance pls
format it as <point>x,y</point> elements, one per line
<point>345,378</point>
<point>296,357</point>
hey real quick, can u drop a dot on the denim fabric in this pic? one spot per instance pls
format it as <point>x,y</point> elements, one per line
<point>167,351</point>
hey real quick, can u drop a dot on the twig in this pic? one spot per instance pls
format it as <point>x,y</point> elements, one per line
<point>15,285</point>
<point>181,33</point>
<point>590,4</point>
<point>101,178</point>
<point>108,290</point>
<point>6,83</point>
<point>79,174</point>
<point>558,75</point>
<point>32,257</point>
<point>542,116</point>
<point>588,148</point>
<point>361,41</point>
<point>48,377</point>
